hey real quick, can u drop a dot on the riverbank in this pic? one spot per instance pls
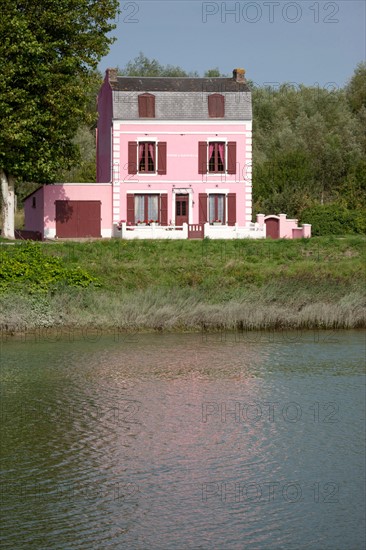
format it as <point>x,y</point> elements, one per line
<point>195,285</point>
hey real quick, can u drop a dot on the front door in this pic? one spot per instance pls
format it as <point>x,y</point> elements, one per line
<point>181,209</point>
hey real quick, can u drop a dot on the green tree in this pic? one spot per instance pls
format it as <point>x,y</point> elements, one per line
<point>308,148</point>
<point>48,52</point>
<point>143,66</point>
<point>356,88</point>
<point>213,73</point>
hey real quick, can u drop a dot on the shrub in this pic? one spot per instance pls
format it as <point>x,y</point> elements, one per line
<point>26,267</point>
<point>333,219</point>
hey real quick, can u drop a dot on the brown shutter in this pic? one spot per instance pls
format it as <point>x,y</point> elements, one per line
<point>132,157</point>
<point>231,157</point>
<point>202,205</point>
<point>164,209</point>
<point>146,105</point>
<point>216,106</point>
<point>211,106</point>
<point>130,209</point>
<point>150,106</point>
<point>231,208</point>
<point>162,157</point>
<point>220,106</point>
<point>202,157</point>
<point>142,106</point>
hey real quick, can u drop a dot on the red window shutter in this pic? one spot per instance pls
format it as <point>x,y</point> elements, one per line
<point>142,106</point>
<point>132,157</point>
<point>220,106</point>
<point>231,157</point>
<point>150,106</point>
<point>202,205</point>
<point>162,157</point>
<point>231,208</point>
<point>202,157</point>
<point>211,106</point>
<point>164,209</point>
<point>216,106</point>
<point>130,208</point>
<point>146,105</point>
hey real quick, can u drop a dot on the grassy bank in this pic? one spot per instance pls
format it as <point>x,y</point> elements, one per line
<point>187,285</point>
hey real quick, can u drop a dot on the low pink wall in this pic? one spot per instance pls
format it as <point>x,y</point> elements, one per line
<point>288,229</point>
<point>297,233</point>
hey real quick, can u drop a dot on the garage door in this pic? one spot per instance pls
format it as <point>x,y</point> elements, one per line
<point>78,219</point>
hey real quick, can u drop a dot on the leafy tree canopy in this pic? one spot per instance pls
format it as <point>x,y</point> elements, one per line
<point>48,52</point>
<point>356,88</point>
<point>143,66</point>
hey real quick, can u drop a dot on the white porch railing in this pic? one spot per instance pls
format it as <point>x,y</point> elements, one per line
<point>251,231</point>
<point>155,231</point>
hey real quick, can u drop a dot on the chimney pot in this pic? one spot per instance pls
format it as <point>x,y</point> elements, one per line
<point>239,75</point>
<point>112,75</point>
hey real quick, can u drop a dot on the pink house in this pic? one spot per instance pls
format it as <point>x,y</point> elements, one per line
<point>174,160</point>
<point>178,152</point>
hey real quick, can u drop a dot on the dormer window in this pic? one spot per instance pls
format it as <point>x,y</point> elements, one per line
<point>146,106</point>
<point>216,106</point>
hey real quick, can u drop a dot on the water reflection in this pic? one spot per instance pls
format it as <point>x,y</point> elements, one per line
<point>183,441</point>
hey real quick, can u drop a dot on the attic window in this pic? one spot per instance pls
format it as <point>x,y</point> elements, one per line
<point>34,202</point>
<point>146,106</point>
<point>216,106</point>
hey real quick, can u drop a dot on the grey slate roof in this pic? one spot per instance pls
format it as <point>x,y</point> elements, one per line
<point>177,84</point>
<point>180,98</point>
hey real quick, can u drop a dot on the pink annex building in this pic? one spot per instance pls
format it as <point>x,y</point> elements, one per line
<point>174,160</point>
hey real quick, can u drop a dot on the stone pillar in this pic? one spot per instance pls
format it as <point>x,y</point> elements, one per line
<point>260,219</point>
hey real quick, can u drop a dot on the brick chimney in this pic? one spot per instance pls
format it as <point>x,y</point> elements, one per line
<point>239,75</point>
<point>112,75</point>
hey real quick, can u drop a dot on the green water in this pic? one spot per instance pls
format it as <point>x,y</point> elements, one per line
<point>238,441</point>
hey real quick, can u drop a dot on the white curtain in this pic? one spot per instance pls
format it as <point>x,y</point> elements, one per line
<point>139,208</point>
<point>153,207</point>
<point>211,216</point>
<point>216,208</point>
<point>220,208</point>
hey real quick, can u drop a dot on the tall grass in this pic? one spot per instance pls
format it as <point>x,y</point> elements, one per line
<point>194,285</point>
<point>175,310</point>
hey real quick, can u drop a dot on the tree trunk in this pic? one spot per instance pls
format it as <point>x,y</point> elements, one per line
<point>8,196</point>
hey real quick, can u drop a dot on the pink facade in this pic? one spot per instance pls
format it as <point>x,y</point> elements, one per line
<point>150,138</point>
<point>182,175</point>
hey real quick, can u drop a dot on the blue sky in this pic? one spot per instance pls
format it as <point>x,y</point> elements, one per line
<point>310,42</point>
